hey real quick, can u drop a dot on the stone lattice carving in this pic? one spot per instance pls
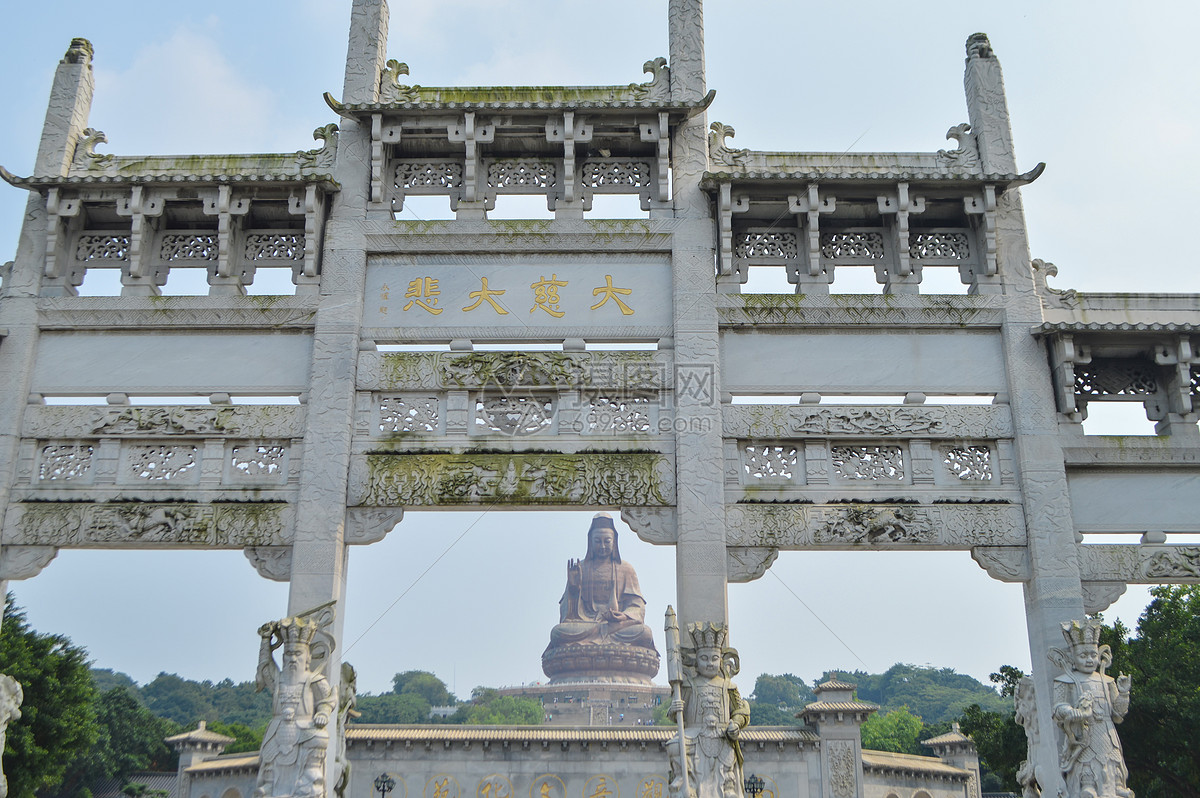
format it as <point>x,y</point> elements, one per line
<point>714,713</point>
<point>968,463</point>
<point>512,172</point>
<point>428,174</point>
<point>604,479</point>
<point>514,415</point>
<point>874,463</point>
<point>601,632</point>
<point>843,768</point>
<point>189,246</point>
<point>1026,715</point>
<point>408,414</point>
<point>1088,704</point>
<point>778,245</point>
<point>93,247</point>
<point>232,525</point>
<point>258,460</point>
<point>852,246</point>
<point>767,462</point>
<point>11,697</point>
<point>292,760</point>
<point>161,463</point>
<point>1115,377</point>
<point>612,173</point>
<point>64,462</point>
<point>275,246</point>
<point>939,246</point>
<point>619,414</point>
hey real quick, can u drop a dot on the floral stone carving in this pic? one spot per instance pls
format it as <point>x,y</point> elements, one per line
<point>1088,703</point>
<point>600,478</point>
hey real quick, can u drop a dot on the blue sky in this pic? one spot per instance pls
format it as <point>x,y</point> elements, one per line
<point>1106,95</point>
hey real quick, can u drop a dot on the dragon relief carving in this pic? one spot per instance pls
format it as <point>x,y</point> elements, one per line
<point>859,524</point>
<point>324,156</point>
<point>136,524</point>
<point>965,156</point>
<point>719,153</point>
<point>659,85</point>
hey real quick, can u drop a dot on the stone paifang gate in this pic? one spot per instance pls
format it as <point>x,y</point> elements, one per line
<point>658,434</point>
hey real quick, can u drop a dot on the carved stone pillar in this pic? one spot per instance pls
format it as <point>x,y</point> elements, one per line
<point>700,552</point>
<point>1053,592</point>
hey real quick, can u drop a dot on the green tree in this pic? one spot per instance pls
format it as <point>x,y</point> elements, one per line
<point>58,718</point>
<point>506,710</point>
<point>764,714</point>
<point>105,679</point>
<point>392,708</point>
<point>1160,732</point>
<point>130,738</point>
<point>936,694</point>
<point>424,684</point>
<point>784,690</point>
<point>898,731</point>
<point>244,738</point>
<point>177,699</point>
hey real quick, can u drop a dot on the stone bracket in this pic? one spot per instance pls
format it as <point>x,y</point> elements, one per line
<point>271,562</point>
<point>371,524</point>
<point>809,207</point>
<point>657,525</point>
<point>23,562</point>
<point>747,563</point>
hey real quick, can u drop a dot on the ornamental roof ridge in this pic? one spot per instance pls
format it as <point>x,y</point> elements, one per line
<point>511,99</point>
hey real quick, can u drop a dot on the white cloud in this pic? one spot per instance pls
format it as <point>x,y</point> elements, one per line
<point>182,95</point>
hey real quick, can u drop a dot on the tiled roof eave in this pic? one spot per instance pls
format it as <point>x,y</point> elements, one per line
<point>711,180</point>
<point>50,181</point>
<point>1051,327</point>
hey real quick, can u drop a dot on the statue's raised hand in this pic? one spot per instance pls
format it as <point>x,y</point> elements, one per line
<point>1123,683</point>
